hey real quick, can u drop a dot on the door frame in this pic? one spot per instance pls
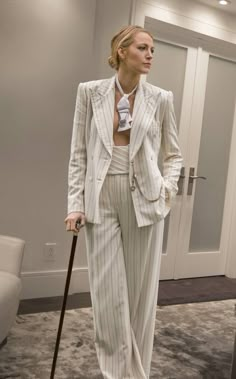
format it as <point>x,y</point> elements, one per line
<point>215,261</point>
<point>143,10</point>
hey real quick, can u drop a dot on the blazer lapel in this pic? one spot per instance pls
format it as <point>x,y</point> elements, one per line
<point>145,105</point>
<point>103,102</point>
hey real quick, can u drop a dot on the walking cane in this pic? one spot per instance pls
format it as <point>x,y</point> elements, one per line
<point>72,254</point>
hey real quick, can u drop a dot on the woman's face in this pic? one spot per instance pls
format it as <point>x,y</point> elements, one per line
<point>137,57</point>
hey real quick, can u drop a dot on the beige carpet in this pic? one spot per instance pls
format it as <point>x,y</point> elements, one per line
<point>191,341</point>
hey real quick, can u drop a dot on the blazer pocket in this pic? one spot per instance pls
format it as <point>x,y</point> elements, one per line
<point>151,189</point>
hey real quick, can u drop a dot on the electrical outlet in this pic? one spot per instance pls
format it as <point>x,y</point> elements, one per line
<point>50,251</point>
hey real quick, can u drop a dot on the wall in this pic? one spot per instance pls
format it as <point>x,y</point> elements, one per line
<point>111,15</point>
<point>46,50</point>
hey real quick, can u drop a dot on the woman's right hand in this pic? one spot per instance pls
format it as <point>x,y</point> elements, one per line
<point>71,220</point>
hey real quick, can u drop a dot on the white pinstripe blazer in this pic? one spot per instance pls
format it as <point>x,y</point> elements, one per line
<point>153,129</point>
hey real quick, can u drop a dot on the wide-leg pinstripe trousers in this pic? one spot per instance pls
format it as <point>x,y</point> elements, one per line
<point>124,265</point>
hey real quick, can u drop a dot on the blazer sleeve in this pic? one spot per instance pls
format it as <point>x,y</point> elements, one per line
<point>78,155</point>
<point>172,159</point>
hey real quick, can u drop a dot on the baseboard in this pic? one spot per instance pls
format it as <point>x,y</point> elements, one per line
<point>38,284</point>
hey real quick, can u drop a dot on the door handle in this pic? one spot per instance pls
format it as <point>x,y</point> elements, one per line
<point>181,182</point>
<point>196,177</point>
<point>191,179</point>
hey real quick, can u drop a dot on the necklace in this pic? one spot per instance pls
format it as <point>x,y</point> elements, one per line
<point>123,108</point>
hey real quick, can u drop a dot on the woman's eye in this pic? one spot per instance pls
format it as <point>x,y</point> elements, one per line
<point>142,48</point>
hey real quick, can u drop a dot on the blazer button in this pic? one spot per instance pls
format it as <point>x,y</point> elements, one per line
<point>132,188</point>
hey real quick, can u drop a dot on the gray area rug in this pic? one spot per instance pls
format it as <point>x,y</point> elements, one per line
<point>191,341</point>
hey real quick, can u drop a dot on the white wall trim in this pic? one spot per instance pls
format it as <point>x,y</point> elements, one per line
<point>230,269</point>
<point>38,284</point>
<point>132,12</point>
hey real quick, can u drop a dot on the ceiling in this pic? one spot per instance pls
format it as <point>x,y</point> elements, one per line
<point>231,8</point>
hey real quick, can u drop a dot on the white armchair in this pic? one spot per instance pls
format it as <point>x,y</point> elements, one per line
<point>11,256</point>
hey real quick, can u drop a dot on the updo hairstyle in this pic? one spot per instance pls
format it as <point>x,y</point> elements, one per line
<point>124,38</point>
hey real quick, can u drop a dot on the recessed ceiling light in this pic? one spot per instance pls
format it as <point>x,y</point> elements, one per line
<point>224,2</point>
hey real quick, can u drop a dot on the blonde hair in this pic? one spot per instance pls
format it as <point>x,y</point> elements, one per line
<point>124,38</point>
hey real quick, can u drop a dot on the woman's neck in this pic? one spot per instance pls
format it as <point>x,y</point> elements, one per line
<point>127,81</point>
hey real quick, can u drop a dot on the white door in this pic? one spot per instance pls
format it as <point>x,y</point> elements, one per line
<point>204,87</point>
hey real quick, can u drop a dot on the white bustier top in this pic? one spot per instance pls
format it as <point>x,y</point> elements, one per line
<point>120,160</point>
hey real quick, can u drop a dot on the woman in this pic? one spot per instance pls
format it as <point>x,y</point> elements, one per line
<point>117,191</point>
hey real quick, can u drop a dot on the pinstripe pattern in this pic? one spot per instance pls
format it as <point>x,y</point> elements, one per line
<point>153,128</point>
<point>124,213</point>
<point>124,264</point>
